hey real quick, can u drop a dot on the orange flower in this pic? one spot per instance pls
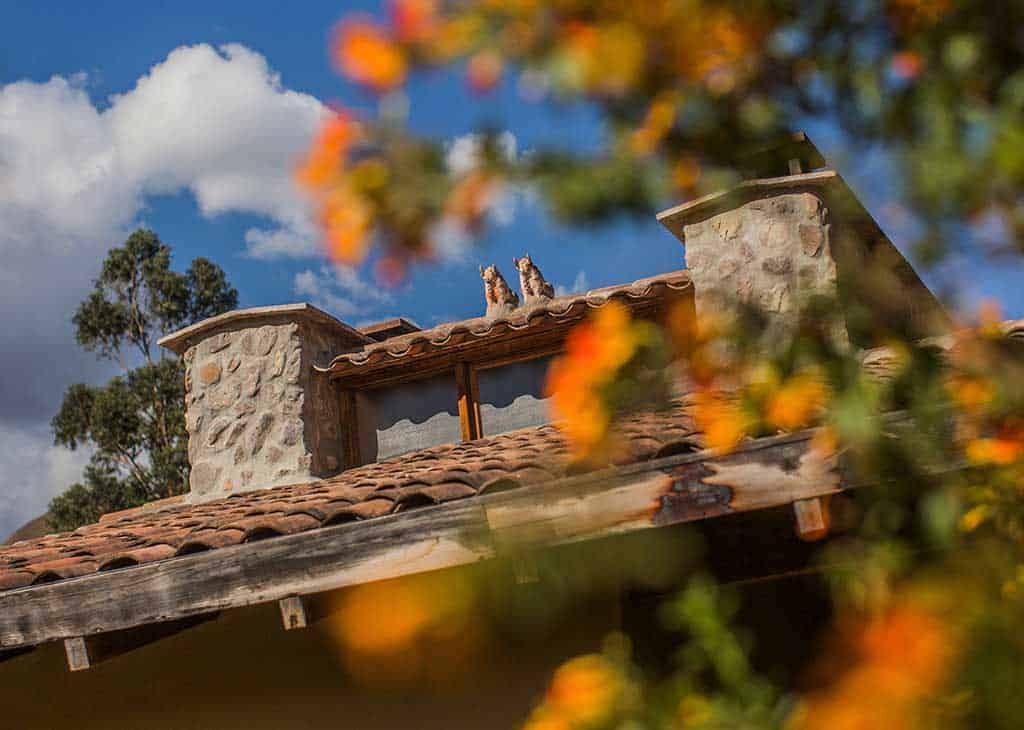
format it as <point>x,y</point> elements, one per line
<point>721,419</point>
<point>595,351</point>
<point>899,659</point>
<point>334,139</point>
<point>546,720</point>
<point>366,54</point>
<point>414,21</point>
<point>994,451</point>
<point>585,690</point>
<point>796,402</point>
<point>345,217</point>
<point>658,121</point>
<point>686,173</point>
<point>971,394</point>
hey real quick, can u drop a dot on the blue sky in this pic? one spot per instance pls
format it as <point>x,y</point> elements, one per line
<point>113,114</point>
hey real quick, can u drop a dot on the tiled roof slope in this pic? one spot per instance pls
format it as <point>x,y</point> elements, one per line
<point>552,312</point>
<point>430,476</point>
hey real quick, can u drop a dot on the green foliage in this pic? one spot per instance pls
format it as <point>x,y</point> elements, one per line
<point>135,423</point>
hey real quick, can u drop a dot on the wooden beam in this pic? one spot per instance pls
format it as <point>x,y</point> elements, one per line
<point>764,473</point>
<point>84,652</point>
<point>469,402</point>
<point>350,453</point>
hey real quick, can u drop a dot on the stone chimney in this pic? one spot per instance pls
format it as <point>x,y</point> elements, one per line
<point>258,415</point>
<point>792,230</point>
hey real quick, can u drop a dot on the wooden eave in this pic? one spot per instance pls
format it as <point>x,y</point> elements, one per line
<point>533,333</point>
<point>764,473</point>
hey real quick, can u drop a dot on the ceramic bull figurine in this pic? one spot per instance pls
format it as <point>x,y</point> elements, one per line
<point>532,283</point>
<point>498,294</point>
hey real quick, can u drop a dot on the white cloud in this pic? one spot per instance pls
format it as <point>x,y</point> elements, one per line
<point>221,124</point>
<point>463,153</point>
<point>73,182</point>
<point>342,291</point>
<point>579,285</point>
<point>34,471</point>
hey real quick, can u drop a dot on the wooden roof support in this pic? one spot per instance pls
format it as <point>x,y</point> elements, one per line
<point>764,473</point>
<point>469,402</point>
<point>84,652</point>
<point>811,518</point>
<point>293,613</point>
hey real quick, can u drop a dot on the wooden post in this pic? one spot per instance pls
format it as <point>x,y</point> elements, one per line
<point>811,518</point>
<point>293,613</point>
<point>469,402</point>
<point>350,456</point>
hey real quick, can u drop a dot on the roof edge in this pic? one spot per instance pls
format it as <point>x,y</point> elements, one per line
<point>182,339</point>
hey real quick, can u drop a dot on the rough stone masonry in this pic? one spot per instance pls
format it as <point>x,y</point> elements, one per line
<point>770,253</point>
<point>257,413</point>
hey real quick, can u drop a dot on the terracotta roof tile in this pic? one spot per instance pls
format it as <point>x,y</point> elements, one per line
<point>452,334</point>
<point>431,476</point>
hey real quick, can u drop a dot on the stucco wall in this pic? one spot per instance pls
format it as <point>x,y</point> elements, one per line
<point>409,416</point>
<point>512,396</point>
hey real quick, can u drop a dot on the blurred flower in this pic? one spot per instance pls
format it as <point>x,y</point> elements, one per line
<point>990,319</point>
<point>322,163</point>
<point>892,665</point>
<point>584,692</point>
<point>483,71</point>
<point>907,65</point>
<point>694,711</point>
<point>346,220</point>
<point>825,442</point>
<point>686,173</point>
<point>456,36</point>
<point>1005,447</point>
<point>721,418</point>
<point>414,21</point>
<point>659,120</point>
<point>367,54</point>
<point>470,198</point>
<point>971,394</point>
<point>797,401</point>
<point>405,628</point>
<point>595,351</point>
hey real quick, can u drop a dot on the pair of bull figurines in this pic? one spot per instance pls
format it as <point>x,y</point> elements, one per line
<point>499,295</point>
